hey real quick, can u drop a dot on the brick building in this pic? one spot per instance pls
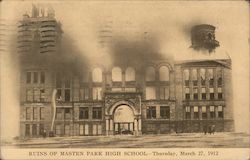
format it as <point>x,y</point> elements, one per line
<point>159,96</point>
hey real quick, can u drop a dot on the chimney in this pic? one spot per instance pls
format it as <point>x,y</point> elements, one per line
<point>203,37</point>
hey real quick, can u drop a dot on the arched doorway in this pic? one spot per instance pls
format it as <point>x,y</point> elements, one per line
<point>124,120</point>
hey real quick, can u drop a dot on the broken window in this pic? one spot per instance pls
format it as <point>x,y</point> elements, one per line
<point>97,93</point>
<point>35,80</point>
<point>186,77</point>
<point>28,77</point>
<point>212,112</point>
<point>187,93</point>
<point>42,78</point>
<point>130,74</point>
<point>220,112</point>
<point>195,77</point>
<point>67,95</point>
<point>67,113</point>
<point>83,113</point>
<point>42,113</point>
<point>36,95</point>
<point>204,112</point>
<point>164,93</point>
<point>34,129</point>
<point>116,74</point>
<point>97,113</point>
<point>211,77</point>
<point>29,95</point>
<point>151,112</point>
<point>188,113</point>
<point>59,114</point>
<point>164,73</point>
<point>150,93</point>
<point>196,112</point>
<point>195,93</point>
<point>150,74</point>
<point>97,75</point>
<point>28,113</point>
<point>27,129</point>
<point>165,112</point>
<point>203,93</point>
<point>66,129</point>
<point>84,94</point>
<point>203,76</point>
<point>35,113</point>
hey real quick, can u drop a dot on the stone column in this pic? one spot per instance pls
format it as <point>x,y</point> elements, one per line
<point>135,127</point>
<point>111,132</point>
<point>107,126</point>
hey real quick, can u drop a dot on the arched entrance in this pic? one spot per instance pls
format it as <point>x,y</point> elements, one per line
<point>124,120</point>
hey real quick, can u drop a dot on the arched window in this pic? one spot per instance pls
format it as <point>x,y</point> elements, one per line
<point>97,75</point>
<point>194,74</point>
<point>164,73</point>
<point>150,74</point>
<point>130,74</point>
<point>186,74</point>
<point>116,74</point>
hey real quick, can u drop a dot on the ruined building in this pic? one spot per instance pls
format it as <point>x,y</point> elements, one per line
<point>157,97</point>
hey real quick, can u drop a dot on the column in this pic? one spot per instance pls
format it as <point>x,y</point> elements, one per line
<point>107,126</point>
<point>135,127</point>
<point>139,126</point>
<point>111,127</point>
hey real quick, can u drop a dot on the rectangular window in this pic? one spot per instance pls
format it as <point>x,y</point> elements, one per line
<point>35,113</point>
<point>219,76</point>
<point>164,93</point>
<point>212,112</point>
<point>220,112</point>
<point>84,113</point>
<point>151,112</point>
<point>165,112</point>
<point>211,77</point>
<point>29,95</point>
<point>97,93</point>
<point>150,93</point>
<point>203,93</point>
<point>35,80</point>
<point>204,112</point>
<point>203,76</point>
<point>188,113</point>
<point>211,93</point>
<point>219,93</point>
<point>41,129</point>
<point>196,112</point>
<point>187,93</point>
<point>67,113</point>
<point>97,113</point>
<point>59,114</point>
<point>67,130</point>
<point>58,129</point>
<point>86,129</point>
<point>94,127</point>
<point>28,113</point>
<point>28,77</point>
<point>186,77</point>
<point>84,94</point>
<point>81,129</point>
<point>42,96</point>
<point>67,95</point>
<point>42,78</point>
<point>59,95</point>
<point>27,129</point>
<point>195,93</point>
<point>194,77</point>
<point>34,129</point>
<point>42,113</point>
<point>97,129</point>
<point>36,95</point>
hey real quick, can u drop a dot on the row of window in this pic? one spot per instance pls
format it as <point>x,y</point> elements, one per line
<point>204,94</point>
<point>35,113</point>
<point>34,129</point>
<point>35,77</point>
<point>204,74</point>
<point>164,112</point>
<point>203,112</point>
<point>35,95</point>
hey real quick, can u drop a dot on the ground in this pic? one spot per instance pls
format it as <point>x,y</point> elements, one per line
<point>184,140</point>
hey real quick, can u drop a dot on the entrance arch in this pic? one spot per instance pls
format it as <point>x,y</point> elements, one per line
<point>123,120</point>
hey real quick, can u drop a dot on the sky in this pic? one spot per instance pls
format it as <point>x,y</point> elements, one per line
<point>166,22</point>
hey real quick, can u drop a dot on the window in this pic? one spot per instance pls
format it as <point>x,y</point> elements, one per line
<point>194,77</point>
<point>219,77</point>
<point>150,74</point>
<point>58,80</point>
<point>220,112</point>
<point>196,112</point>
<point>67,129</point>
<point>41,129</point>
<point>42,92</point>
<point>203,93</point>
<point>212,112</point>
<point>28,113</point>
<point>67,113</point>
<point>97,129</point>
<point>86,129</point>
<point>203,76</point>
<point>42,113</point>
<point>195,90</point>
<point>188,113</point>
<point>211,93</point>
<point>84,94</point>
<point>42,78</point>
<point>27,129</point>
<point>81,129</point>
<point>59,114</point>
<point>97,75</point>
<point>35,113</point>
<point>150,93</point>
<point>204,112</point>
<point>164,92</point>
<point>164,73</point>
<point>35,80</point>
<point>187,93</point>
<point>186,77</point>
<point>34,129</point>
<point>28,77</point>
<point>219,93</point>
<point>67,82</point>
<point>151,112</point>
<point>165,112</point>
<point>116,74</point>
<point>58,129</point>
<point>97,93</point>
<point>59,95</point>
<point>83,113</point>
<point>211,77</point>
<point>67,95</point>
<point>85,77</point>
<point>97,113</point>
<point>130,74</point>
<point>36,95</point>
<point>29,95</point>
